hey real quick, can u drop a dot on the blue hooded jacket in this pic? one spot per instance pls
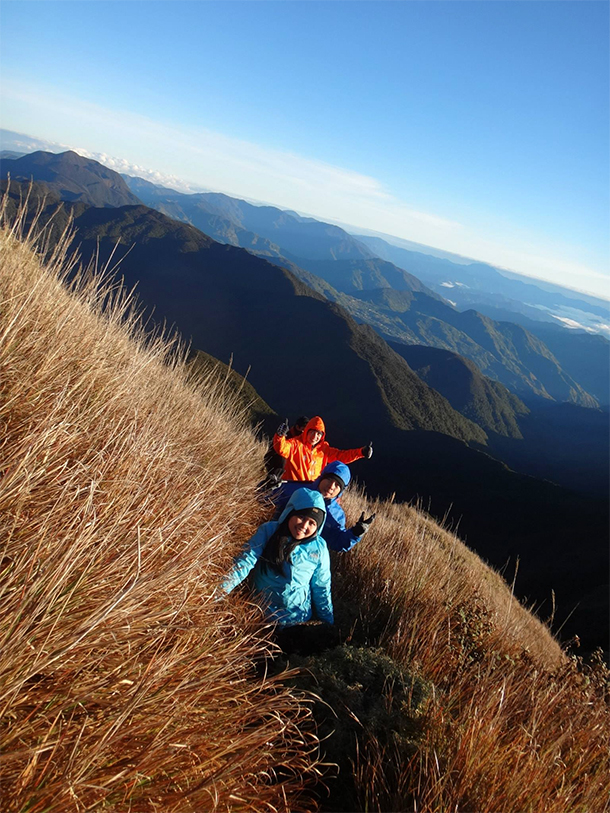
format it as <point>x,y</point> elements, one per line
<point>305,578</point>
<point>336,535</point>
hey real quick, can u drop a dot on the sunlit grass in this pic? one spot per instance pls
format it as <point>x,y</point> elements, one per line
<point>512,723</point>
<point>126,488</point>
<point>125,491</point>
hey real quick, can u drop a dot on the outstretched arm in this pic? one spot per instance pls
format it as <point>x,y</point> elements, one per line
<point>335,534</point>
<point>247,560</point>
<point>339,539</point>
<point>343,455</point>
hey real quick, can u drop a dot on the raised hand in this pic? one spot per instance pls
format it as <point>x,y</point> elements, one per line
<point>362,526</point>
<point>367,451</point>
<point>283,428</point>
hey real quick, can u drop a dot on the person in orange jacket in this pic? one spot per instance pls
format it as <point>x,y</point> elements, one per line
<point>307,454</point>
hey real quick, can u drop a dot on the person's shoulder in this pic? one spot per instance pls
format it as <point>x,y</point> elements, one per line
<point>314,545</point>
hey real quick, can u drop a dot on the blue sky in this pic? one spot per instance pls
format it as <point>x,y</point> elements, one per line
<point>476,127</point>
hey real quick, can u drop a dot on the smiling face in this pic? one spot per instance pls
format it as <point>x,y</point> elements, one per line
<point>302,527</point>
<point>329,488</point>
<point>314,436</point>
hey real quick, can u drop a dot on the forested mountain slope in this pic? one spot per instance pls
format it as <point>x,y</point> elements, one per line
<point>506,352</point>
<point>485,401</point>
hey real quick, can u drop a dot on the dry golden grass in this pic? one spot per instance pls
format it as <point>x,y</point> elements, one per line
<point>125,491</point>
<point>512,723</point>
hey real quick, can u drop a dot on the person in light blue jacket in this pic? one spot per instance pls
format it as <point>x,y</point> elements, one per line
<point>330,484</point>
<point>290,562</point>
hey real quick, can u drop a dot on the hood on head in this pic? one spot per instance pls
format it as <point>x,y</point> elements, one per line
<point>315,423</point>
<point>301,499</point>
<point>335,468</point>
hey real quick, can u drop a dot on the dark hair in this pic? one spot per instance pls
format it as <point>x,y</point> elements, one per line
<point>278,548</point>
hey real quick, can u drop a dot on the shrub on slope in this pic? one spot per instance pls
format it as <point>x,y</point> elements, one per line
<point>124,493</point>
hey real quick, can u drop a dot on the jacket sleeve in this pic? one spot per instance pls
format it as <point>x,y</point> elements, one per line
<point>320,587</point>
<point>336,535</point>
<point>247,560</point>
<point>283,446</point>
<point>343,455</point>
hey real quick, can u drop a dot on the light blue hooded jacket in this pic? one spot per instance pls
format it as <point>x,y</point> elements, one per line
<point>305,579</point>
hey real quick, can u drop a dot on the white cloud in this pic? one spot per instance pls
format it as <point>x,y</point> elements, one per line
<point>578,319</point>
<point>19,142</point>
<point>573,324</point>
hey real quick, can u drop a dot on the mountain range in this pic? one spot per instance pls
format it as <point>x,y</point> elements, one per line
<point>366,286</point>
<point>306,354</point>
<point>559,441</point>
<point>495,292</point>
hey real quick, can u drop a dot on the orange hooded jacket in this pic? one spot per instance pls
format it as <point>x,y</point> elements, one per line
<point>305,462</point>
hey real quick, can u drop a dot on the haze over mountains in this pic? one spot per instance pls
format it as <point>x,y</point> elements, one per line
<point>499,294</point>
<point>443,431</point>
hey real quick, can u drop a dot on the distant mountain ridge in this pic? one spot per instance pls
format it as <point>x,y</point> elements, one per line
<point>505,352</point>
<point>470,284</point>
<point>72,178</point>
<point>511,355</point>
<point>195,209</point>
<point>357,275</point>
<point>544,438</point>
<point>300,237</point>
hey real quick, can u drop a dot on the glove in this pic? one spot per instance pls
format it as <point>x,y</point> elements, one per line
<point>283,428</point>
<point>362,526</point>
<point>274,481</point>
<point>367,451</point>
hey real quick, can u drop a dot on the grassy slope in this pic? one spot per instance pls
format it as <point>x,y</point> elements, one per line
<point>125,492</point>
<point>232,385</point>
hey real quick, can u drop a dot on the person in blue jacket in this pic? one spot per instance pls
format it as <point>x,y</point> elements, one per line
<point>330,484</point>
<point>290,562</point>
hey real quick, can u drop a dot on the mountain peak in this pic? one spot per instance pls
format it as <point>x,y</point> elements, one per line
<point>72,177</point>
